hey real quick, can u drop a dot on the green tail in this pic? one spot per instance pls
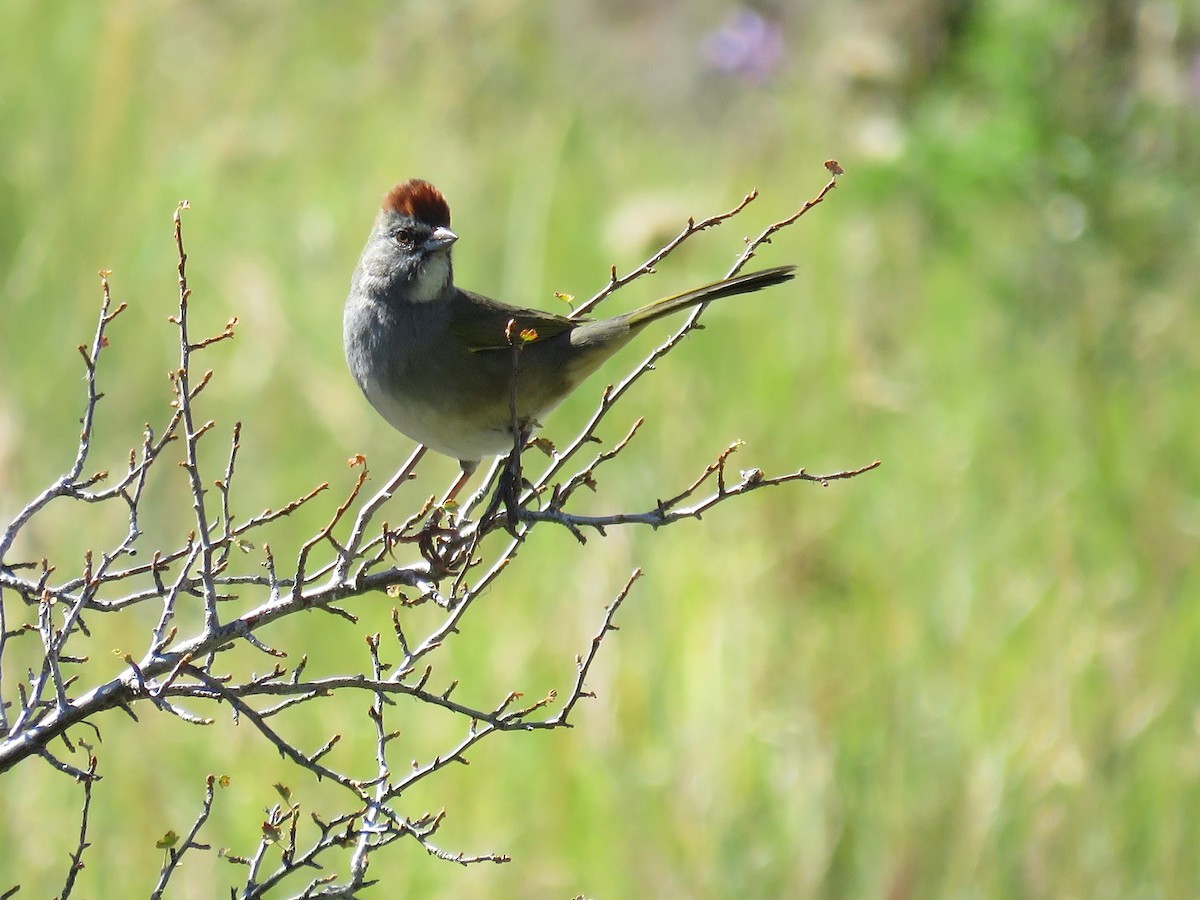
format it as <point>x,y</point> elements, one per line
<point>739,284</point>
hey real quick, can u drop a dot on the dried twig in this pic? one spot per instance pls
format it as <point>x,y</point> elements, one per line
<point>176,672</point>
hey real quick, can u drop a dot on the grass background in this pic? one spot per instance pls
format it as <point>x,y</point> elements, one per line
<point>971,673</point>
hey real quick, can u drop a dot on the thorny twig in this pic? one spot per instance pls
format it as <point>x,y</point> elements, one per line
<point>209,603</point>
<point>176,849</point>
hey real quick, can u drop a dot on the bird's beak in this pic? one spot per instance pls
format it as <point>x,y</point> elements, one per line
<point>441,239</point>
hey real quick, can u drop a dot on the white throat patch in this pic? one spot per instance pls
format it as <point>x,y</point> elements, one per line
<point>432,278</point>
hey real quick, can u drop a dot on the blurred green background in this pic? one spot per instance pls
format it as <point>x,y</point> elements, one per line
<point>971,673</point>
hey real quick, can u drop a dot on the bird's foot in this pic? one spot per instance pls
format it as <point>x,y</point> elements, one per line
<point>441,545</point>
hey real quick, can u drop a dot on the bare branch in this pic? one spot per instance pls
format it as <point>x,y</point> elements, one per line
<point>176,851</point>
<point>84,818</point>
<point>57,701</point>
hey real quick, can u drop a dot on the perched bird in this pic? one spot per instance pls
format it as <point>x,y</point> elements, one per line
<point>436,361</point>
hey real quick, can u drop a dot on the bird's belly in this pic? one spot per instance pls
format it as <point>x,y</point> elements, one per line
<point>445,427</point>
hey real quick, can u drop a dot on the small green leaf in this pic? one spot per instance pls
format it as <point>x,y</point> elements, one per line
<point>167,841</point>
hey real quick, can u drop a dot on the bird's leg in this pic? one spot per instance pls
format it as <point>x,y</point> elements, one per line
<point>468,469</point>
<point>508,485</point>
<point>511,479</point>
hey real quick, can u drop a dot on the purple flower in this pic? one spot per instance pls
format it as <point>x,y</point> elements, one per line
<point>746,46</point>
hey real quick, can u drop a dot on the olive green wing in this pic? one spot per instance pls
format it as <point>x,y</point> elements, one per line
<point>483,324</point>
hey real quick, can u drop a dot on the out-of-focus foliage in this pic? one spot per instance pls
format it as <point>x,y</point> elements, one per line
<point>971,673</point>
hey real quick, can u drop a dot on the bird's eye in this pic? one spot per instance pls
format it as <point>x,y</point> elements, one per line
<point>404,237</point>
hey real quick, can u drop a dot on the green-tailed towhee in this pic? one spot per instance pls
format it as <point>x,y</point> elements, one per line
<point>436,361</point>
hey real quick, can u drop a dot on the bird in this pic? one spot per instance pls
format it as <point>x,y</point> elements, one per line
<point>437,362</point>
